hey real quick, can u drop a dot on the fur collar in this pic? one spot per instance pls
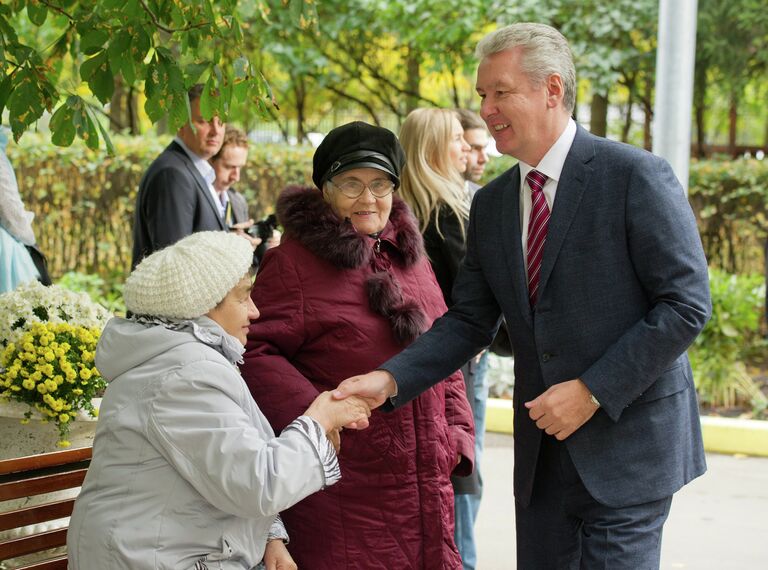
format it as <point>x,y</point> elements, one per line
<point>308,218</point>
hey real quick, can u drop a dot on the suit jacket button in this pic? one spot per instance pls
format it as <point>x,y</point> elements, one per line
<point>545,357</point>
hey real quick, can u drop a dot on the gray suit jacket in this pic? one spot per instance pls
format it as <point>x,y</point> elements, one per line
<point>623,292</point>
<point>173,202</point>
<point>239,206</point>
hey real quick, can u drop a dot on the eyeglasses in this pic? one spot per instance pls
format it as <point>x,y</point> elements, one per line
<point>380,188</point>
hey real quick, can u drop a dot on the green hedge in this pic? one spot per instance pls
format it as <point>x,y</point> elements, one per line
<point>84,200</point>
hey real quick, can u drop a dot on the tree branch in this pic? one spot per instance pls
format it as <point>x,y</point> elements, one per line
<point>160,26</point>
<point>57,9</point>
<point>360,102</point>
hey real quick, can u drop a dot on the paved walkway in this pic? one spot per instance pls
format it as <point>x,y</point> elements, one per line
<point>718,522</point>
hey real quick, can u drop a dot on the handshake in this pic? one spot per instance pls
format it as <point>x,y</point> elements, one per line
<point>351,403</point>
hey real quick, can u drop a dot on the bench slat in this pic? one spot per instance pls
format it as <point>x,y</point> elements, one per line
<point>37,514</point>
<point>59,563</point>
<point>39,485</point>
<point>51,459</point>
<point>34,475</point>
<point>33,543</point>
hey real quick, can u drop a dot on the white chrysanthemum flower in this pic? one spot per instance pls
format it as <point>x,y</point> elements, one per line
<point>34,303</point>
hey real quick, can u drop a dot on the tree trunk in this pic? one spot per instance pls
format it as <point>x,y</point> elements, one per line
<point>627,118</point>
<point>699,105</point>
<point>299,90</point>
<point>733,116</point>
<point>598,122</point>
<point>648,104</point>
<point>117,108</point>
<point>413,80</point>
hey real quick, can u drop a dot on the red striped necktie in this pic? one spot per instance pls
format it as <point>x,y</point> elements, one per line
<point>537,231</point>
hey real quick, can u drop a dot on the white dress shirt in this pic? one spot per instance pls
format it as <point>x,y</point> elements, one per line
<point>209,175</point>
<point>551,166</point>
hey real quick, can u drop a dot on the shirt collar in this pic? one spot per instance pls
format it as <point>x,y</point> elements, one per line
<point>552,163</point>
<point>203,166</point>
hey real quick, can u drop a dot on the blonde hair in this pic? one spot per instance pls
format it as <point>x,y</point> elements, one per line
<point>429,180</point>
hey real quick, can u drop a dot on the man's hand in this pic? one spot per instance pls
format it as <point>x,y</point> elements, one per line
<point>562,409</point>
<point>375,387</point>
<point>240,228</point>
<point>276,556</point>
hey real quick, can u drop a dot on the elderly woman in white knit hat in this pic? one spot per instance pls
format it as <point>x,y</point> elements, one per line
<point>186,471</point>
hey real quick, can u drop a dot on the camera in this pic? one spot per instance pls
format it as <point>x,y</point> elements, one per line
<point>263,228</point>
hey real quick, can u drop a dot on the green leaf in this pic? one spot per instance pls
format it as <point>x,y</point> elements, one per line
<point>85,128</point>
<point>26,102</point>
<point>208,101</point>
<point>37,13</point>
<point>5,92</point>
<point>98,74</point>
<point>92,39</point>
<point>193,71</point>
<point>729,330</point>
<point>8,31</point>
<point>240,66</point>
<point>140,45</point>
<point>62,126</point>
<point>120,56</point>
<point>105,136</point>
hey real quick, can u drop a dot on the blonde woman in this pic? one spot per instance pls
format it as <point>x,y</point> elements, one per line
<point>435,188</point>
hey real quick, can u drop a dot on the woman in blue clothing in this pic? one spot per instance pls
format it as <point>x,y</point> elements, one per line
<point>16,265</point>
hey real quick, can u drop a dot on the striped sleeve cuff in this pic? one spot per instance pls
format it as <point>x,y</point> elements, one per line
<point>313,431</point>
<point>277,531</point>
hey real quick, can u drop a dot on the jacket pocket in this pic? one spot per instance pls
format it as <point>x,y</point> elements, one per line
<point>673,380</point>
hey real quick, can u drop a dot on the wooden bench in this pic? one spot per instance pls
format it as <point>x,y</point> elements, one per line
<point>25,477</point>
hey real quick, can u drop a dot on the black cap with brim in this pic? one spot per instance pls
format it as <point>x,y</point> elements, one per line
<point>362,159</point>
<point>357,145</point>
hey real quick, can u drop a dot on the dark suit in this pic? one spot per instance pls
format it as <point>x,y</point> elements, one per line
<point>623,292</point>
<point>173,202</point>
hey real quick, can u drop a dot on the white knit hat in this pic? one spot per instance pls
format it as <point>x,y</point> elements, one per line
<point>189,278</point>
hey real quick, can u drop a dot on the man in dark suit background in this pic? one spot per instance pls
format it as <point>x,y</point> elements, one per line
<point>591,252</point>
<point>176,195</point>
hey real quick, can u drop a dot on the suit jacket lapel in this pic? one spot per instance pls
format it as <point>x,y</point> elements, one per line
<point>201,183</point>
<point>513,248</point>
<point>570,188</point>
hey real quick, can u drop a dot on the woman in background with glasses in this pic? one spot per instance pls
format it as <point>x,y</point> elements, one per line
<point>348,287</point>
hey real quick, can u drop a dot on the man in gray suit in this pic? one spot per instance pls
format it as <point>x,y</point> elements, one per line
<point>176,195</point>
<point>228,164</point>
<point>590,251</point>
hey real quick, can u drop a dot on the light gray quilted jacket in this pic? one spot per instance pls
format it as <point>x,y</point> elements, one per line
<point>186,471</point>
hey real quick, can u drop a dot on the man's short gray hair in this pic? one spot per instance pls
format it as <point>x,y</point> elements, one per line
<point>545,51</point>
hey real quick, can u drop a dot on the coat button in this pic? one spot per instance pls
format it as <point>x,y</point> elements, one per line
<point>545,357</point>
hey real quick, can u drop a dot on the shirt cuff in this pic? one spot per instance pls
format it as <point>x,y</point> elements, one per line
<point>277,531</point>
<point>313,431</point>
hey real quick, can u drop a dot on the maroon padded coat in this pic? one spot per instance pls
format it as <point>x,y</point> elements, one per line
<point>335,303</point>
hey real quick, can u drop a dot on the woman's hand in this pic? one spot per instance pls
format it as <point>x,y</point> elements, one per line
<point>334,436</point>
<point>277,557</point>
<point>333,414</point>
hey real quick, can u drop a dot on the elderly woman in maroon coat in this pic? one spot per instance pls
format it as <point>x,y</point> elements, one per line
<point>348,287</point>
